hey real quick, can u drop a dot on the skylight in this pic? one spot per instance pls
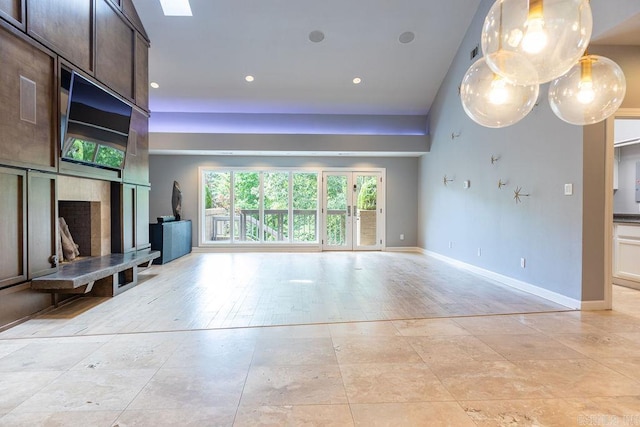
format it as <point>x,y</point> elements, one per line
<point>176,7</point>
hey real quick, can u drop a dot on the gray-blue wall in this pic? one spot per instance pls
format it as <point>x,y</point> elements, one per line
<point>401,173</point>
<point>561,237</point>
<point>540,155</point>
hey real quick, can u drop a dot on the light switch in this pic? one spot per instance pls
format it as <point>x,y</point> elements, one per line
<point>568,189</point>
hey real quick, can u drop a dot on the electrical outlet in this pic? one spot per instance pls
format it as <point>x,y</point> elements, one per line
<point>523,262</point>
<point>479,251</point>
<point>568,189</point>
<point>450,245</point>
<point>402,237</point>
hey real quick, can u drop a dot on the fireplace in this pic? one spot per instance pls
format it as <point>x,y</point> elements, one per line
<point>84,220</point>
<point>85,205</point>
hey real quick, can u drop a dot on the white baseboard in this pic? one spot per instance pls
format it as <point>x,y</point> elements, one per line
<point>253,248</point>
<point>519,284</point>
<point>403,249</point>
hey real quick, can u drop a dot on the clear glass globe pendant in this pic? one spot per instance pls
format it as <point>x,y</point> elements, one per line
<point>493,101</point>
<point>589,92</point>
<point>535,41</point>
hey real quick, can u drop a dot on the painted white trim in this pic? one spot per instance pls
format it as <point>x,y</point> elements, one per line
<point>403,249</point>
<point>514,283</point>
<point>594,305</point>
<point>254,248</point>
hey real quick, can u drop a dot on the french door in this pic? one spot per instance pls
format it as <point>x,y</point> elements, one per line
<point>352,210</point>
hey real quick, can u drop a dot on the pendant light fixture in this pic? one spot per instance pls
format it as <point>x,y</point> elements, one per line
<point>493,101</point>
<point>546,36</point>
<point>589,92</point>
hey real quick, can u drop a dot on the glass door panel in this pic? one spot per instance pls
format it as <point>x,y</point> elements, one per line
<point>366,215</point>
<point>352,218</point>
<point>337,211</point>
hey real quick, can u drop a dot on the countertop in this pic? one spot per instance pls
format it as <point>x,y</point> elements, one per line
<point>627,218</point>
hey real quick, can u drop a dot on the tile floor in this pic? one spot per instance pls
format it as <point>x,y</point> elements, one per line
<point>563,368</point>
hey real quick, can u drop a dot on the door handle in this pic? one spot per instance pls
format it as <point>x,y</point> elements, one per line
<point>349,210</point>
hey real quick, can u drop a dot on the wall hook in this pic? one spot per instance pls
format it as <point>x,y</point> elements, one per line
<point>518,193</point>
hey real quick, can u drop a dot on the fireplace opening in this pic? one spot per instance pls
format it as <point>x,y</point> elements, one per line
<point>80,229</point>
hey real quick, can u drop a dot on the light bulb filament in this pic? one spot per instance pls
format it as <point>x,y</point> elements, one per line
<point>498,92</point>
<point>585,94</point>
<point>535,38</point>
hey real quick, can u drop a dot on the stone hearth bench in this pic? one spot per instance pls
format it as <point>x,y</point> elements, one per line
<point>103,276</point>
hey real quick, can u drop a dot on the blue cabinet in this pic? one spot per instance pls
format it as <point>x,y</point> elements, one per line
<point>172,239</point>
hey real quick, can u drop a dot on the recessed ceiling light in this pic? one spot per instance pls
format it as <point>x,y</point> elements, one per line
<point>316,36</point>
<point>357,80</point>
<point>249,78</point>
<point>176,7</point>
<point>154,85</point>
<point>406,37</point>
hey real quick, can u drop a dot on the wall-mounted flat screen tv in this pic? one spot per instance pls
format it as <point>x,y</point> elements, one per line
<point>95,126</point>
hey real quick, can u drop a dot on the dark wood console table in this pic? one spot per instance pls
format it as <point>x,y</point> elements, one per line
<point>172,239</point>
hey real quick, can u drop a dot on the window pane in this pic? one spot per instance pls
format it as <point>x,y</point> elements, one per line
<point>81,150</point>
<point>305,207</point>
<point>246,188</point>
<point>110,157</point>
<point>367,214</point>
<point>276,206</point>
<point>217,206</point>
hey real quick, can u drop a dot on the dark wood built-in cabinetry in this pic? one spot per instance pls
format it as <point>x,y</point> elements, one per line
<point>172,239</point>
<point>28,109</point>
<point>104,41</point>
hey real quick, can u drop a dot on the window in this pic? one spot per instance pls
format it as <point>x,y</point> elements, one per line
<point>271,206</point>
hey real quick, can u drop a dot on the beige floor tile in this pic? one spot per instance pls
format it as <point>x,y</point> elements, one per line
<point>381,349</point>
<point>432,414</point>
<point>205,349</point>
<point>16,387</point>
<point>489,380</point>
<point>196,417</point>
<point>59,419</point>
<point>608,411</point>
<point>429,327</point>
<point>631,336</point>
<point>295,351</point>
<point>566,322</point>
<point>192,388</point>
<point>628,367</point>
<point>603,345</point>
<point>388,383</point>
<point>294,385</point>
<point>491,325</point>
<point>579,378</point>
<point>88,390</point>
<point>367,329</point>
<point>529,347</point>
<point>44,356</point>
<point>132,351</point>
<point>448,349</point>
<point>296,415</point>
<point>526,413</point>
<point>298,331</point>
<point>8,347</point>
<point>611,321</point>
